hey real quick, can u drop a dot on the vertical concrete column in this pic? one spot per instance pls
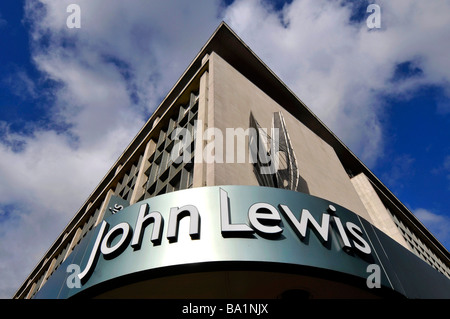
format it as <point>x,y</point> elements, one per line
<point>155,122</point>
<point>30,292</point>
<point>48,272</point>
<point>210,167</point>
<point>199,179</point>
<point>119,167</point>
<point>103,207</point>
<point>73,242</point>
<point>139,189</point>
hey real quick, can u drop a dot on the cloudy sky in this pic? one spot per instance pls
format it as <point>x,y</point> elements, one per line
<point>71,99</point>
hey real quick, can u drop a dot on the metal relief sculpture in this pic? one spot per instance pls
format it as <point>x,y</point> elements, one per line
<point>275,164</point>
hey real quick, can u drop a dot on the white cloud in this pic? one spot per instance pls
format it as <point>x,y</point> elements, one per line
<point>111,73</point>
<point>43,185</point>
<point>21,84</point>
<point>439,225</point>
<point>338,68</point>
<point>114,71</point>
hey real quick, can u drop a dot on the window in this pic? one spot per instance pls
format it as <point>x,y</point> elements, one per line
<point>166,175</point>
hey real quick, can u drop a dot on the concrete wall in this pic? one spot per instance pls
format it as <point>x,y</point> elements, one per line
<point>232,97</point>
<point>380,216</point>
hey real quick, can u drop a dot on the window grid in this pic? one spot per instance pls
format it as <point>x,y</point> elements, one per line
<point>125,187</point>
<point>419,248</point>
<point>164,174</point>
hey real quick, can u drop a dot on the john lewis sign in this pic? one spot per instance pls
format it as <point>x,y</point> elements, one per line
<point>198,227</point>
<point>263,219</point>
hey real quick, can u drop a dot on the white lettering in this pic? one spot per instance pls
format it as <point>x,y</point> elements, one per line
<point>263,218</point>
<point>210,146</point>
<point>175,216</point>
<point>266,212</point>
<point>306,217</point>
<point>199,309</point>
<point>74,19</point>
<point>226,226</point>
<point>374,20</point>
<point>214,149</point>
<point>123,228</point>
<point>181,151</point>
<point>374,279</point>
<point>240,134</point>
<point>94,253</point>
<point>142,222</point>
<point>247,308</point>
<point>72,280</point>
<point>362,245</point>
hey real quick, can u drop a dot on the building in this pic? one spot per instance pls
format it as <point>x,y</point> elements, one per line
<point>235,189</point>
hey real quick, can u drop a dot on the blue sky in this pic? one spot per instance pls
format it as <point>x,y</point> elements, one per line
<point>72,99</point>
